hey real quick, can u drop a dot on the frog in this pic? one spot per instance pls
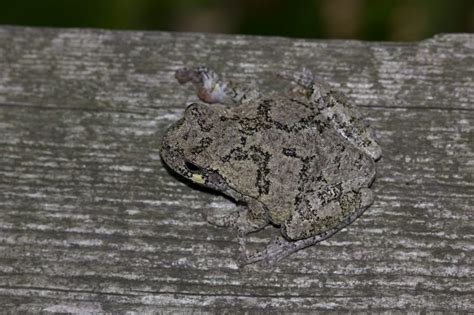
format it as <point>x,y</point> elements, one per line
<point>301,160</point>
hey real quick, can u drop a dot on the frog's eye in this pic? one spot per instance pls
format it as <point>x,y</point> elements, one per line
<point>191,166</point>
<point>192,109</point>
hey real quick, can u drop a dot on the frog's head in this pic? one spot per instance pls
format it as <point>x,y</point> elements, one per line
<point>187,149</point>
<point>173,153</point>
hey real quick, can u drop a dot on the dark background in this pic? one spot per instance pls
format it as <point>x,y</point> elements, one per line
<point>361,19</point>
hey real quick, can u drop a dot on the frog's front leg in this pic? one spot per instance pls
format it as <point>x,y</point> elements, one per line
<point>282,247</point>
<point>247,219</point>
<point>211,89</point>
<point>337,111</point>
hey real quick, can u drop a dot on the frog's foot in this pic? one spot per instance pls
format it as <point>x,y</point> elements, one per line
<point>211,89</point>
<point>242,220</point>
<point>306,85</point>
<point>281,247</point>
<point>304,78</point>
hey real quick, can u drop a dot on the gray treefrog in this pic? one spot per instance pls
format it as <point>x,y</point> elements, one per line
<point>302,161</point>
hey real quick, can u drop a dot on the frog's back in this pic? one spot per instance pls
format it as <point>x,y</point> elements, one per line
<point>296,153</point>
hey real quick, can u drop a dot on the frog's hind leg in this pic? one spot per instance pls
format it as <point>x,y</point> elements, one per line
<point>211,89</point>
<point>280,247</point>
<point>334,107</point>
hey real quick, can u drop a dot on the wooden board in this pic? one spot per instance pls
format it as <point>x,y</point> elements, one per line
<point>90,221</point>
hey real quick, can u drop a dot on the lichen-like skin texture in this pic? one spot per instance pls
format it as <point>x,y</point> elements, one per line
<point>302,161</point>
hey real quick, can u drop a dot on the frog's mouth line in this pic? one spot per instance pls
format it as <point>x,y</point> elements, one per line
<point>189,172</point>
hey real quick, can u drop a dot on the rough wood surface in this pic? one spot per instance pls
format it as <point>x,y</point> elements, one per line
<point>91,221</point>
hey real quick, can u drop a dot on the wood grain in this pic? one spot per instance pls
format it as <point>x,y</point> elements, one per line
<point>90,221</point>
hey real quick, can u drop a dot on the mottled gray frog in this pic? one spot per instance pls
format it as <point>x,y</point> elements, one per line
<point>302,161</point>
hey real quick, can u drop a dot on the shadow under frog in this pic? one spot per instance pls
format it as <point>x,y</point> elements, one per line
<point>302,161</point>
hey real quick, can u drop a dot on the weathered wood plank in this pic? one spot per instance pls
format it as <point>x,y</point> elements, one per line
<point>90,220</point>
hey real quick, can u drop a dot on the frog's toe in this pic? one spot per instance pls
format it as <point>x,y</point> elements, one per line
<point>366,197</point>
<point>278,249</point>
<point>222,220</point>
<point>303,78</point>
<point>244,259</point>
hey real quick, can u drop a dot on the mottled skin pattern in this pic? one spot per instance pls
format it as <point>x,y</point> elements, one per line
<point>302,161</point>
